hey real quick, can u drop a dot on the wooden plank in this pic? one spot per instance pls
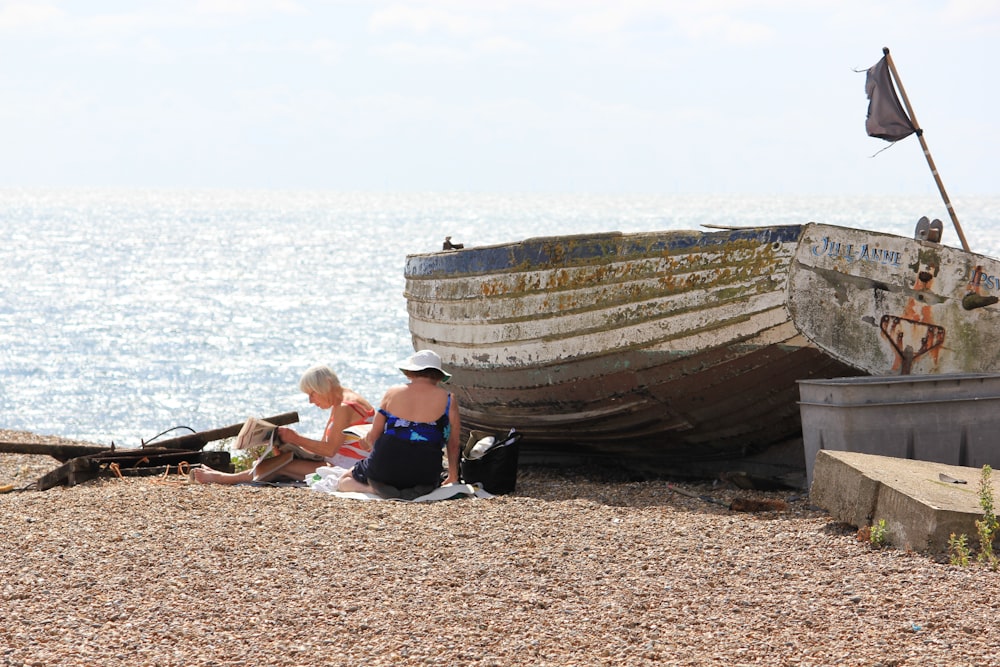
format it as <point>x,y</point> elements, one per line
<point>61,452</point>
<point>64,452</point>
<point>71,473</point>
<point>162,464</point>
<point>198,440</point>
<point>82,467</point>
<point>133,462</point>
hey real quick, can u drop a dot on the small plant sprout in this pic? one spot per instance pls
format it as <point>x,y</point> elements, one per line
<point>987,526</point>
<point>877,535</point>
<point>958,550</point>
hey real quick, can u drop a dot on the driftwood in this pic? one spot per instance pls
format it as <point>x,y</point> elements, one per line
<point>128,463</point>
<point>196,441</point>
<point>192,442</point>
<point>84,462</point>
<point>60,452</point>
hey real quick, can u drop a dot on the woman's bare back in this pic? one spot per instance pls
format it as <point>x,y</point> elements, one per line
<point>419,401</point>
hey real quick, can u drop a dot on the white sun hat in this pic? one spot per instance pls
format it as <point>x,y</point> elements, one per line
<point>422,360</point>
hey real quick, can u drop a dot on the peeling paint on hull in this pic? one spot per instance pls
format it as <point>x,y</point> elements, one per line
<point>664,349</point>
<point>890,305</point>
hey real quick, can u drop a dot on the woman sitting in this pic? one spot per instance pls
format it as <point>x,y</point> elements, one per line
<point>415,422</point>
<point>347,408</point>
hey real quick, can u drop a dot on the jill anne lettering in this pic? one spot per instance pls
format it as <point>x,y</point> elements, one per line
<point>863,253</point>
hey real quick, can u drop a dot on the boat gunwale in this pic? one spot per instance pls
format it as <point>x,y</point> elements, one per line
<point>521,254</point>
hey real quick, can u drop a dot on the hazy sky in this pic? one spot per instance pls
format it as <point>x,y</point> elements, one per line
<point>605,96</point>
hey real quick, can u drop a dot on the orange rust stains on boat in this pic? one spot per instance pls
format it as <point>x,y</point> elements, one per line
<point>918,312</point>
<point>931,342</point>
<point>501,285</point>
<point>925,268</point>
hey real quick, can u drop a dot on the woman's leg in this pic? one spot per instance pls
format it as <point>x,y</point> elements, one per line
<point>297,469</point>
<point>206,475</point>
<point>348,483</point>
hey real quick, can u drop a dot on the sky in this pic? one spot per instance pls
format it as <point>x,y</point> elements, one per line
<point>548,96</point>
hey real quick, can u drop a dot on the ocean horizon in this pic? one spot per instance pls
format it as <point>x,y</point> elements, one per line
<point>125,313</point>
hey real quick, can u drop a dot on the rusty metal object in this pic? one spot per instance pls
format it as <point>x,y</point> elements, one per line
<point>971,301</point>
<point>910,339</point>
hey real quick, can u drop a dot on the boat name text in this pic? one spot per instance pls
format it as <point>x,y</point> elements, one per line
<point>864,253</point>
<point>980,279</point>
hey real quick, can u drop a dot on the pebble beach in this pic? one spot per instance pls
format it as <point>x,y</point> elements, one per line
<point>576,568</point>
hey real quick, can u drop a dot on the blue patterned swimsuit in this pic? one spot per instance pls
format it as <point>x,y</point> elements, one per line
<point>407,454</point>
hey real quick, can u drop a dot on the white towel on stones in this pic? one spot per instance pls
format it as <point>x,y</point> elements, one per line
<point>325,480</point>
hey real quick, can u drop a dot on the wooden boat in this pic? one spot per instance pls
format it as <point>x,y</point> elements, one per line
<point>890,305</point>
<point>671,351</point>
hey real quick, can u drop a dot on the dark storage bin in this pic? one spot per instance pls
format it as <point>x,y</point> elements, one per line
<point>496,471</point>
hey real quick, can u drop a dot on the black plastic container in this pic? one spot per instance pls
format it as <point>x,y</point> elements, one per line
<point>496,471</point>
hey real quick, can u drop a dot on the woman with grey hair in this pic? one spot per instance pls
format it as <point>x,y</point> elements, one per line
<point>347,408</point>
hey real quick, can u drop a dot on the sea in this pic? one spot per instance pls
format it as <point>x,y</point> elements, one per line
<point>132,315</point>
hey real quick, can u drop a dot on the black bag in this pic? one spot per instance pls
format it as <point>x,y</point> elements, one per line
<point>496,470</point>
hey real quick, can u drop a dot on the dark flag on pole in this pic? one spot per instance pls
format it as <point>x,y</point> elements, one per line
<point>886,117</point>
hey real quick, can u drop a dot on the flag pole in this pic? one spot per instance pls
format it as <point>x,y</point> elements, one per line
<point>927,152</point>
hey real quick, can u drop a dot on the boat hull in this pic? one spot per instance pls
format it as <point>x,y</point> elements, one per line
<point>889,305</point>
<point>669,350</point>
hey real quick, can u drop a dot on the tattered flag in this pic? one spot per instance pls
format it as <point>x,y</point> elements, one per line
<point>886,117</point>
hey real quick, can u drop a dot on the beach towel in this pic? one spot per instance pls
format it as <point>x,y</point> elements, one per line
<point>324,480</point>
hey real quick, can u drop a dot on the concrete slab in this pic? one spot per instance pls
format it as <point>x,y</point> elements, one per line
<point>921,508</point>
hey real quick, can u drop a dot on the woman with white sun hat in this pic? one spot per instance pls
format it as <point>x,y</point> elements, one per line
<point>414,423</point>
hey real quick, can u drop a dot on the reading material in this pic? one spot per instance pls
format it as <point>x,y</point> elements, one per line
<point>259,433</point>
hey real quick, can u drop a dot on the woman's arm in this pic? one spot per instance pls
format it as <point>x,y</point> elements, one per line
<point>454,442</point>
<point>378,426</point>
<point>292,437</point>
<point>333,438</point>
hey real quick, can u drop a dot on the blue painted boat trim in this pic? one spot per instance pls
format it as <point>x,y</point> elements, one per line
<point>583,249</point>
